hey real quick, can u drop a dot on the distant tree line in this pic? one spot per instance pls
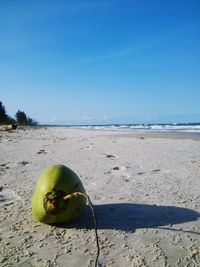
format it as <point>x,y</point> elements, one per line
<point>20,117</point>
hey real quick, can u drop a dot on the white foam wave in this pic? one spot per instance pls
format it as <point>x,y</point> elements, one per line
<point>192,128</point>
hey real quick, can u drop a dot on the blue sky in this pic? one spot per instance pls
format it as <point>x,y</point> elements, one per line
<point>101,61</point>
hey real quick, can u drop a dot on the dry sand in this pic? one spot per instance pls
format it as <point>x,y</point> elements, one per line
<point>145,190</point>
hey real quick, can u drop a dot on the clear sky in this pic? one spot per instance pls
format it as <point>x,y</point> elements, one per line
<point>101,61</point>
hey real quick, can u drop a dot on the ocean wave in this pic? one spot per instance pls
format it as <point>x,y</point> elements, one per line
<point>192,128</point>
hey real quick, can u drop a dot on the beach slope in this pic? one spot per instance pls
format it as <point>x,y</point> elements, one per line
<point>145,190</point>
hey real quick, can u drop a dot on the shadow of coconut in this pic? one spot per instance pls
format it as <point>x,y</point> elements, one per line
<point>129,217</point>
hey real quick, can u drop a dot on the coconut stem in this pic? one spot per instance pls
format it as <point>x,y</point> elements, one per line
<point>76,194</point>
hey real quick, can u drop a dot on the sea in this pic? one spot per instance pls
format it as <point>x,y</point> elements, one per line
<point>161,127</point>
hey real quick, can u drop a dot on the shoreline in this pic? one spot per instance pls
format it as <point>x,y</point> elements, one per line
<point>173,134</point>
<point>170,135</point>
<point>139,133</point>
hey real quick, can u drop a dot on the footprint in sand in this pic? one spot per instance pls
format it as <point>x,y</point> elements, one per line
<point>116,168</point>
<point>120,168</point>
<point>42,151</point>
<point>122,172</point>
<point>23,162</point>
<point>156,170</point>
<point>140,173</point>
<point>89,147</point>
<point>4,166</point>
<point>110,156</point>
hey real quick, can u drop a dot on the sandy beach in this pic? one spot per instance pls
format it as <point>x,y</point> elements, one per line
<point>145,189</point>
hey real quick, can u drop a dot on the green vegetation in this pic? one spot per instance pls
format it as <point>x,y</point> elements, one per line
<point>21,117</point>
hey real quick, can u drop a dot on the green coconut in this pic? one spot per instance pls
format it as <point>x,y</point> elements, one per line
<point>59,196</point>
